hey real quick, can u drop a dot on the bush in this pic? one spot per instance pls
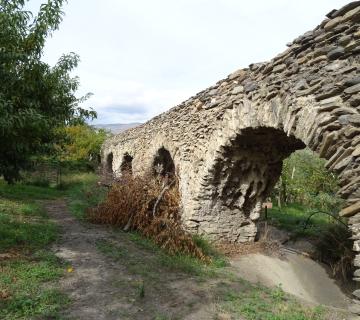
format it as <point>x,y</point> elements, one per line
<point>150,206</point>
<point>79,146</point>
<point>334,248</point>
<point>323,201</point>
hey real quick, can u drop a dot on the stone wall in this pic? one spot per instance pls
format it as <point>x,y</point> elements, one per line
<point>228,141</point>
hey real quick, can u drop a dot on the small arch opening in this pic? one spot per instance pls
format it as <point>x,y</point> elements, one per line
<point>126,164</point>
<point>163,163</point>
<point>109,163</point>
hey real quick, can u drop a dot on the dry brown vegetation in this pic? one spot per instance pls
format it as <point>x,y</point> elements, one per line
<point>151,206</point>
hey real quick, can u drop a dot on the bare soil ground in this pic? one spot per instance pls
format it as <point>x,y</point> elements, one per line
<point>296,274</point>
<point>112,277</point>
<point>101,287</point>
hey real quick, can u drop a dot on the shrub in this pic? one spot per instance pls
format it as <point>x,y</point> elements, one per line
<point>335,249</point>
<point>78,146</point>
<point>150,206</point>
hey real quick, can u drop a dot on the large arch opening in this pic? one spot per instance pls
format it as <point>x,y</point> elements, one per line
<point>163,164</point>
<point>243,175</point>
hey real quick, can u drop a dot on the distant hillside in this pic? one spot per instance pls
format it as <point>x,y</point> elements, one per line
<point>116,127</point>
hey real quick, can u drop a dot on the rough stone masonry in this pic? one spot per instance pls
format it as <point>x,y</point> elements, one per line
<point>227,143</point>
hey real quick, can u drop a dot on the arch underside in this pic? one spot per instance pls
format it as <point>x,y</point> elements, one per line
<point>243,175</point>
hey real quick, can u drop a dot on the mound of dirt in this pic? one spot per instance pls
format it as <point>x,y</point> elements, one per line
<point>295,274</point>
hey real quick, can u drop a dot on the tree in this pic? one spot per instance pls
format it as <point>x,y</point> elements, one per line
<point>305,180</point>
<point>35,98</point>
<point>81,144</point>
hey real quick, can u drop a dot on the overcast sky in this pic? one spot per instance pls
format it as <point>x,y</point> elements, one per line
<point>141,57</point>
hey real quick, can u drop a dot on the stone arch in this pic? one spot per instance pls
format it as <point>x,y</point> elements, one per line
<point>126,164</point>
<point>163,164</point>
<point>240,177</point>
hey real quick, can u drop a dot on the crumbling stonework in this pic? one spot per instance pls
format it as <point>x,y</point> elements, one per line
<point>228,141</point>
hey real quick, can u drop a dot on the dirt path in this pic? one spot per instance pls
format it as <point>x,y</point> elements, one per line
<point>101,288</point>
<point>89,285</point>
<point>114,278</point>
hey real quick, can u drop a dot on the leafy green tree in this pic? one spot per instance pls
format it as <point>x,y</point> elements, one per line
<point>305,180</point>
<point>35,98</point>
<point>80,144</point>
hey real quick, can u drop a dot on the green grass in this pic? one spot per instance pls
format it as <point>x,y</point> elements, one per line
<point>28,276</point>
<point>82,192</point>
<point>182,262</point>
<point>293,218</point>
<point>24,281</point>
<point>21,191</point>
<point>23,223</point>
<point>243,300</point>
<point>162,317</point>
<point>24,233</point>
<point>148,265</point>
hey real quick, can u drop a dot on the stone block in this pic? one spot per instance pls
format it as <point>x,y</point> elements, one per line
<point>350,211</point>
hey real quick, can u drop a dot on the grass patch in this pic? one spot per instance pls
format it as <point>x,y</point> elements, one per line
<point>293,218</point>
<point>23,223</point>
<point>25,234</point>
<point>182,262</point>
<point>83,192</point>
<point>28,272</point>
<point>251,302</point>
<point>232,296</point>
<point>111,250</point>
<point>162,317</point>
<point>22,282</point>
<point>155,258</point>
<point>21,191</point>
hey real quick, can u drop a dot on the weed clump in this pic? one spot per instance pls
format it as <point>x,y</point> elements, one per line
<point>334,248</point>
<point>151,206</point>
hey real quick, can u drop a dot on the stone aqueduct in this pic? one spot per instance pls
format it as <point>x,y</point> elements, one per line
<point>228,142</point>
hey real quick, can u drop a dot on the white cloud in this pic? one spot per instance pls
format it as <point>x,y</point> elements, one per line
<point>154,54</point>
<point>130,101</point>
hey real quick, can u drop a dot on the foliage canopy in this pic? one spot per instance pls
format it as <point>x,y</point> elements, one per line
<point>81,144</point>
<point>305,180</point>
<point>35,98</point>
